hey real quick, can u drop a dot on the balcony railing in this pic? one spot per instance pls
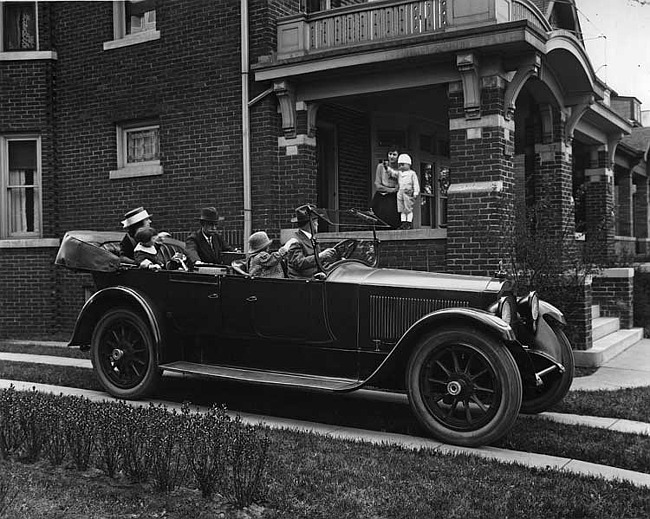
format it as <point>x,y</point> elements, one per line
<point>374,22</point>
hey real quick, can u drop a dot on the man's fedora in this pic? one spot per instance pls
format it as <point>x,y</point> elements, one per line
<point>304,213</point>
<point>210,214</point>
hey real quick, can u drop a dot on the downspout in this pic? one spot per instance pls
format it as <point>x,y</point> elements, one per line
<point>246,145</point>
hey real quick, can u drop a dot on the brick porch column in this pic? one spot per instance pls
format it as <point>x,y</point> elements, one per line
<point>481,195</point>
<point>553,192</point>
<point>624,212</point>
<point>599,199</point>
<point>641,201</point>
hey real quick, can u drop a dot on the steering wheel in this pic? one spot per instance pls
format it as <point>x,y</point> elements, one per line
<point>345,248</point>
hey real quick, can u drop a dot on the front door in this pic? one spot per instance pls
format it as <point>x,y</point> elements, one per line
<point>327,172</point>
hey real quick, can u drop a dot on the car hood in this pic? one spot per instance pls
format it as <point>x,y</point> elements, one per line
<point>358,273</point>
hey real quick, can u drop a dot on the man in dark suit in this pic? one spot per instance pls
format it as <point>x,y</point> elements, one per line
<point>206,244</point>
<point>301,258</point>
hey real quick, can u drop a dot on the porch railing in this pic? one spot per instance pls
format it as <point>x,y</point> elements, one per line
<point>392,19</point>
<point>372,22</point>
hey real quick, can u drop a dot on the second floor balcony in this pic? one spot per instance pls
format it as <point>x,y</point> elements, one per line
<point>393,21</point>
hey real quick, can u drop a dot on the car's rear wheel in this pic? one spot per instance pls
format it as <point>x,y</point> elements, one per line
<point>556,384</point>
<point>123,355</point>
<point>464,387</point>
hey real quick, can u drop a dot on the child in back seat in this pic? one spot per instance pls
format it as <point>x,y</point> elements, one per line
<point>262,263</point>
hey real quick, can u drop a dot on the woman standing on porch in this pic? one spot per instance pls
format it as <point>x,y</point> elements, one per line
<point>384,202</point>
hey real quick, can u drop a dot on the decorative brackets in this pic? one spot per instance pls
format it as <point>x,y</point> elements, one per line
<point>529,68</point>
<point>312,110</point>
<point>286,95</point>
<point>468,67</point>
<point>577,112</point>
<point>612,143</point>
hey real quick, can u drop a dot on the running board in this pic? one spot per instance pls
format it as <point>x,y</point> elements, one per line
<point>258,376</point>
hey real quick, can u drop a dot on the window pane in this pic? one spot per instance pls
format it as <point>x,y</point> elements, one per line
<point>22,155</point>
<point>19,26</point>
<point>142,145</point>
<point>22,210</point>
<point>22,199</point>
<point>140,16</point>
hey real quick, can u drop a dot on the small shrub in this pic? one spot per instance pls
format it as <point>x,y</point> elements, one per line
<point>133,443</point>
<point>246,454</point>
<point>32,422</point>
<point>109,429</point>
<point>11,436</point>
<point>203,446</point>
<point>55,446</point>
<point>80,428</point>
<point>165,445</point>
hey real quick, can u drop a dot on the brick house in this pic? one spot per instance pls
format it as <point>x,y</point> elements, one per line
<point>259,106</point>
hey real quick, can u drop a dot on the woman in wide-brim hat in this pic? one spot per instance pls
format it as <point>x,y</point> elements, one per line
<point>133,220</point>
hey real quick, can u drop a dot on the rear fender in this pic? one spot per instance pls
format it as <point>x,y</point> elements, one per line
<point>448,318</point>
<point>109,298</point>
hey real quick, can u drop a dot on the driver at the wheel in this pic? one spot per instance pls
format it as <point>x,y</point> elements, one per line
<point>301,258</point>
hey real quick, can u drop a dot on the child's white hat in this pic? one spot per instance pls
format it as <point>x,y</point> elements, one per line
<point>404,159</point>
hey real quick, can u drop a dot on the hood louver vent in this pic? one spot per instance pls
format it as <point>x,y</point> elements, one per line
<point>390,317</point>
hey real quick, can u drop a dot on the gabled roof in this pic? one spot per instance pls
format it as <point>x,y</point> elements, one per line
<point>638,140</point>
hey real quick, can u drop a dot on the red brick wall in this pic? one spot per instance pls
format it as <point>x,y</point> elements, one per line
<point>426,255</point>
<point>27,293</point>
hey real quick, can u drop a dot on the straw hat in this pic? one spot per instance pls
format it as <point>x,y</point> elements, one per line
<point>135,216</point>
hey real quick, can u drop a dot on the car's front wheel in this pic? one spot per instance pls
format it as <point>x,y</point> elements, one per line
<point>123,355</point>
<point>464,387</point>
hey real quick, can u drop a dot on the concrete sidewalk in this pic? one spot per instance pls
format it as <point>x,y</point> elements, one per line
<point>630,368</point>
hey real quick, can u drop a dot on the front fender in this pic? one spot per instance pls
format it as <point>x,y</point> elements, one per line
<point>546,340</point>
<point>109,298</point>
<point>446,317</point>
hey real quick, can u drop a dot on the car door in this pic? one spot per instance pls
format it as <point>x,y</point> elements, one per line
<point>285,325</point>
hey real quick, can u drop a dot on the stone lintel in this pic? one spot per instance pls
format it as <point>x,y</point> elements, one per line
<point>493,186</point>
<point>298,140</point>
<point>599,175</point>
<point>621,273</point>
<point>486,121</point>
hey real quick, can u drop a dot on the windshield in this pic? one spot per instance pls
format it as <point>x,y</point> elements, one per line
<point>342,220</point>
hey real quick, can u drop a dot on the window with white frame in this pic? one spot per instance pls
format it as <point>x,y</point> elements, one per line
<point>20,179</point>
<point>138,150</point>
<point>134,21</point>
<point>19,26</point>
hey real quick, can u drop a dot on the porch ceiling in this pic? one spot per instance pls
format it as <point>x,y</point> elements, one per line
<point>429,103</point>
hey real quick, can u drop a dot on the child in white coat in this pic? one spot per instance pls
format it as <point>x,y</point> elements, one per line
<point>409,190</point>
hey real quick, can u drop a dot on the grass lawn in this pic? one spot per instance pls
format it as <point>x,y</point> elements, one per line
<point>315,477</point>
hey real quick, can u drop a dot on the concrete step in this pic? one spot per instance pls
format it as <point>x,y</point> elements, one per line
<point>595,311</point>
<point>607,348</point>
<point>602,326</point>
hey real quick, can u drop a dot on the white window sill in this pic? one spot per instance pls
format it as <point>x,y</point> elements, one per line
<point>27,55</point>
<point>132,39</point>
<point>29,243</point>
<point>148,170</point>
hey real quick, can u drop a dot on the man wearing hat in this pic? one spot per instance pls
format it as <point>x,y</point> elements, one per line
<point>206,244</point>
<point>133,220</point>
<point>301,258</point>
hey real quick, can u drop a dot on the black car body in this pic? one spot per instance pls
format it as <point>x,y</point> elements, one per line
<point>469,354</point>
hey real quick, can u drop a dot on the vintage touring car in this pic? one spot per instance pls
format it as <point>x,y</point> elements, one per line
<point>469,354</point>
